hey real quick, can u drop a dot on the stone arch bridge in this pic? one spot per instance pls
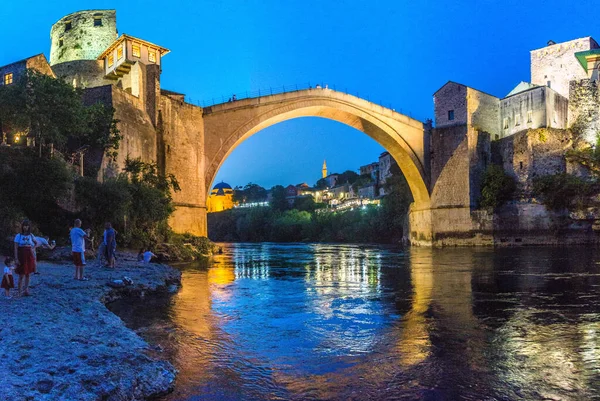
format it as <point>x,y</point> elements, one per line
<point>202,139</point>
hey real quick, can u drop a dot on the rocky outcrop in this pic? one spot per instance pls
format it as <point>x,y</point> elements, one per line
<point>62,343</point>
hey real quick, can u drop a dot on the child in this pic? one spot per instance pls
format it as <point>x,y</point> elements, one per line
<point>8,281</point>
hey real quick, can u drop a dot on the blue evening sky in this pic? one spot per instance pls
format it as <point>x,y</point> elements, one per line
<point>393,52</point>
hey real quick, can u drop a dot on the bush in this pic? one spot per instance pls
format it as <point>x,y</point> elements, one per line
<point>497,187</point>
<point>563,191</point>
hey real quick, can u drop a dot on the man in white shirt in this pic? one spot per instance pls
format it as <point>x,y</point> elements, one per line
<point>78,237</point>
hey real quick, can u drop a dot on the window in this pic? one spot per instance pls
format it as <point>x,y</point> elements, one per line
<point>505,123</point>
<point>120,52</point>
<point>152,56</point>
<point>68,25</point>
<point>135,49</point>
<point>520,165</point>
<point>60,42</point>
<point>8,78</point>
<point>517,120</point>
<point>97,21</point>
<point>549,84</point>
<point>529,116</point>
<point>110,60</point>
<point>450,115</point>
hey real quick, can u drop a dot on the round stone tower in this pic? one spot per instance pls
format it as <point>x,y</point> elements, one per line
<point>83,35</point>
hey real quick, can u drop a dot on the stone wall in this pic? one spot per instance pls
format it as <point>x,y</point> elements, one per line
<point>181,140</point>
<point>139,135</point>
<point>452,96</point>
<point>584,109</point>
<point>82,73</point>
<point>84,40</point>
<point>533,153</point>
<point>556,64</point>
<point>483,112</point>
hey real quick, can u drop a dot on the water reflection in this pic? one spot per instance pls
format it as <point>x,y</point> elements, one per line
<point>345,322</point>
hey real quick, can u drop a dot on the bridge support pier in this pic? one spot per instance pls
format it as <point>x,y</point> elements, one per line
<point>420,225</point>
<point>189,219</point>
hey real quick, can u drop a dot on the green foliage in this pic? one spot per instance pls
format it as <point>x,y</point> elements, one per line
<point>563,191</point>
<point>361,181</point>
<point>250,193</point>
<point>376,224</point>
<point>347,176</point>
<point>321,184</point>
<point>305,204</point>
<point>588,156</point>
<point>138,203</point>
<point>50,109</point>
<point>497,187</point>
<point>34,187</point>
<point>278,200</point>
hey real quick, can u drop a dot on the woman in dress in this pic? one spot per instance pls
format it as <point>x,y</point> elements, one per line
<point>24,258</point>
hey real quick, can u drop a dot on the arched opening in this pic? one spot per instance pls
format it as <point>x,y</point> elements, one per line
<point>402,139</point>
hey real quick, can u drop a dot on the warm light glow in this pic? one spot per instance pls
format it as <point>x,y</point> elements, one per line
<point>119,52</point>
<point>110,60</point>
<point>8,78</point>
<point>135,49</point>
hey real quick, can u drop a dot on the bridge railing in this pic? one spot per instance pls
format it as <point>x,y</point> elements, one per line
<point>286,89</point>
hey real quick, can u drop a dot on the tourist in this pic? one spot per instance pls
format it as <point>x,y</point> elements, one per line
<point>41,242</point>
<point>8,280</point>
<point>24,257</point>
<point>78,248</point>
<point>234,98</point>
<point>148,255</point>
<point>140,256</point>
<point>110,244</point>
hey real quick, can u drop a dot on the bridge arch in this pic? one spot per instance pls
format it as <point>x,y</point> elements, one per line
<point>228,125</point>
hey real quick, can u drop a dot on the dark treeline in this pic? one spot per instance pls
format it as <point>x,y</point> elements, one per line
<point>306,222</point>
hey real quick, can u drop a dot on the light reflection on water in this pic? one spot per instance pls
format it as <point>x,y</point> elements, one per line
<point>349,322</point>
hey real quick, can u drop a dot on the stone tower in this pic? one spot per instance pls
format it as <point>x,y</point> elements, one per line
<point>324,169</point>
<point>82,35</point>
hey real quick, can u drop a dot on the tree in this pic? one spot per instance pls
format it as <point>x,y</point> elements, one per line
<point>305,203</point>
<point>49,109</point>
<point>250,193</point>
<point>347,176</point>
<point>321,184</point>
<point>497,187</point>
<point>278,199</point>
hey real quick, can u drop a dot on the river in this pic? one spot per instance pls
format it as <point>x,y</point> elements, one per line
<point>353,322</point>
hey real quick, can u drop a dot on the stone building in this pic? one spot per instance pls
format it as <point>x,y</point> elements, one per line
<point>371,170</point>
<point>11,73</point>
<point>556,64</point>
<point>531,106</point>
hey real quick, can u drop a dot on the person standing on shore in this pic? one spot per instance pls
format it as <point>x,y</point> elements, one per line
<point>78,248</point>
<point>8,280</point>
<point>110,242</point>
<point>24,257</point>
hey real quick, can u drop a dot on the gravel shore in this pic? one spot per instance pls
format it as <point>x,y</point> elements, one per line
<point>61,343</point>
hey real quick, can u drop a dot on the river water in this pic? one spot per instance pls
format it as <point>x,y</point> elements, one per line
<point>352,322</point>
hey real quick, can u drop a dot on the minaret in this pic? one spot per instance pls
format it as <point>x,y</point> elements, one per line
<point>324,170</point>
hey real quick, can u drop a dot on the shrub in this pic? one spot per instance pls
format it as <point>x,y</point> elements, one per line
<point>497,187</point>
<point>563,191</point>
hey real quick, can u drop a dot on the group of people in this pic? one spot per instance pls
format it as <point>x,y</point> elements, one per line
<point>24,262</point>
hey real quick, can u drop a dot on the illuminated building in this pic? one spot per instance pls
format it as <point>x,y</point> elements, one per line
<point>220,198</point>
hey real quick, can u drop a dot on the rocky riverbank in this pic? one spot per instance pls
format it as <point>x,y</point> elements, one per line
<point>62,343</point>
